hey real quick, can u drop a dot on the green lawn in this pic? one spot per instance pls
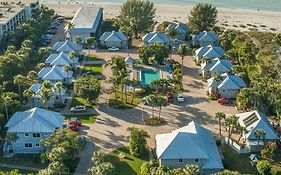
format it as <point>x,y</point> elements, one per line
<point>31,160</point>
<point>93,57</point>
<point>130,165</point>
<point>118,104</point>
<point>237,162</point>
<point>84,118</point>
<point>96,68</point>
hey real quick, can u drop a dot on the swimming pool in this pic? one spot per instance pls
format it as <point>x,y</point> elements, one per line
<point>149,75</point>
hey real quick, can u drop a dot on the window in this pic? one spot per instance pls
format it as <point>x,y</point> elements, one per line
<point>37,145</point>
<point>18,144</point>
<point>28,145</point>
<point>26,134</point>
<point>196,160</point>
<point>180,160</point>
<point>36,134</point>
<point>46,134</point>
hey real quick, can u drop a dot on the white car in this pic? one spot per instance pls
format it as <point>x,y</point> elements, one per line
<point>180,98</point>
<point>78,109</point>
<point>113,49</point>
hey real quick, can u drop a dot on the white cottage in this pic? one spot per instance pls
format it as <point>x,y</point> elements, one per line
<point>55,74</point>
<point>227,86</point>
<point>31,127</point>
<point>57,97</point>
<point>206,38</point>
<point>181,29</point>
<point>62,59</point>
<point>216,66</point>
<point>252,121</point>
<point>191,144</point>
<point>114,39</point>
<point>156,37</point>
<point>210,52</point>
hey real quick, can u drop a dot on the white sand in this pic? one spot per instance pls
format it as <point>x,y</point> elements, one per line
<point>180,13</point>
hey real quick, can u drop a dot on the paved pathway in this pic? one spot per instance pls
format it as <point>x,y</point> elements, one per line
<point>109,132</point>
<point>71,95</point>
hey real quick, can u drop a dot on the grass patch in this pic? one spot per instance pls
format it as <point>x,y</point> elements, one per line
<point>96,68</point>
<point>237,162</point>
<point>129,165</point>
<point>84,118</point>
<point>27,160</point>
<point>121,104</point>
<point>93,58</point>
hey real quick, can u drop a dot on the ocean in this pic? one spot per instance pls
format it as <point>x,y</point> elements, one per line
<point>266,5</point>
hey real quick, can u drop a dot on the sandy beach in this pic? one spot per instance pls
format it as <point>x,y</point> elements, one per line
<point>229,18</point>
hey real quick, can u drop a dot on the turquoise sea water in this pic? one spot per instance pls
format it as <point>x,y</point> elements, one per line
<point>149,75</point>
<point>268,5</point>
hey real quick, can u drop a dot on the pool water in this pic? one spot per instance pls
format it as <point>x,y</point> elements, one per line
<point>148,76</point>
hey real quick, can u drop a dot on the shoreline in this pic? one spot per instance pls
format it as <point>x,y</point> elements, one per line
<point>231,18</point>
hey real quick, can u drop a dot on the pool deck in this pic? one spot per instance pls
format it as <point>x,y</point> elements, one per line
<point>161,69</point>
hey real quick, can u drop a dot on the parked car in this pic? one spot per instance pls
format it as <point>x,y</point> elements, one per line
<point>169,97</point>
<point>144,100</point>
<point>74,121</point>
<point>73,127</point>
<point>76,109</point>
<point>99,76</point>
<point>113,49</point>
<point>224,101</point>
<point>180,98</point>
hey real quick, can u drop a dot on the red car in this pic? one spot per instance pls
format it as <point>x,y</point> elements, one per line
<point>169,97</point>
<point>74,122</point>
<point>224,101</point>
<point>73,127</point>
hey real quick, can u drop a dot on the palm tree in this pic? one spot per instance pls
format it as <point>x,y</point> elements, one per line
<point>67,68</point>
<point>152,101</point>
<point>40,66</point>
<point>219,116</point>
<point>172,33</point>
<point>89,42</point>
<point>206,60</point>
<point>32,76</point>
<point>127,82</point>
<point>19,80</point>
<point>29,94</point>
<point>122,78</point>
<point>114,81</point>
<point>6,100</point>
<point>242,130</point>
<point>77,39</point>
<point>46,92</point>
<point>69,26</point>
<point>134,84</point>
<point>10,138</point>
<point>57,87</point>
<point>259,134</point>
<point>231,122</point>
<point>161,101</point>
<point>183,51</point>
